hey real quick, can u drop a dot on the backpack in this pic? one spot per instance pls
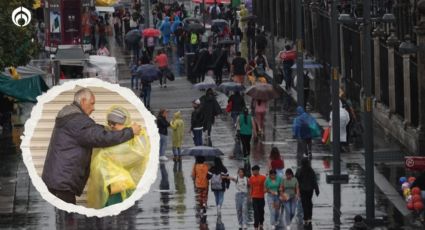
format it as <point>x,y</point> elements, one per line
<point>216,182</point>
<point>193,39</point>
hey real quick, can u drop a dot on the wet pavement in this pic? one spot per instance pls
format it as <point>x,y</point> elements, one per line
<point>170,203</point>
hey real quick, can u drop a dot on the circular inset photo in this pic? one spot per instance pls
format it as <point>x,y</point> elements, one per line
<point>91,147</point>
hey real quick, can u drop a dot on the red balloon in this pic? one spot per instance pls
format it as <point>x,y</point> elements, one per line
<point>418,206</point>
<point>410,206</point>
<point>416,191</point>
<point>411,179</point>
<point>416,198</point>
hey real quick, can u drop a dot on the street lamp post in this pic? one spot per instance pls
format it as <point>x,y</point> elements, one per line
<point>300,57</point>
<point>335,116</point>
<point>368,119</point>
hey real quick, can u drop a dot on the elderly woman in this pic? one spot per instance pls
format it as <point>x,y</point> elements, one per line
<point>115,171</point>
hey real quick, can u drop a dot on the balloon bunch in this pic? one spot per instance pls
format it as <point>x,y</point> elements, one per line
<point>411,195</point>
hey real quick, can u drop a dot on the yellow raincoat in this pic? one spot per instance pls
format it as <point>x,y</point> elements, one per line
<point>120,167</point>
<point>177,125</point>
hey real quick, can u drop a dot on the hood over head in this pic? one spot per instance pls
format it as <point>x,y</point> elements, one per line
<point>177,115</point>
<point>300,110</point>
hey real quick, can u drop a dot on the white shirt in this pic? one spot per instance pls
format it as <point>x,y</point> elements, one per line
<point>241,184</point>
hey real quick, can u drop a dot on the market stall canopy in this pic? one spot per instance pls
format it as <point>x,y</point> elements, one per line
<point>25,71</point>
<point>25,90</point>
<point>71,56</point>
<point>106,2</point>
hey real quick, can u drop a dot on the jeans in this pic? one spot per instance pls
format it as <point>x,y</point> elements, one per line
<point>234,115</point>
<point>289,206</point>
<point>162,77</point>
<point>219,197</point>
<point>177,151</point>
<point>307,204</point>
<point>147,96</point>
<point>274,209</point>
<point>241,199</point>
<point>162,144</point>
<point>258,206</point>
<point>134,78</point>
<point>246,144</point>
<point>197,137</point>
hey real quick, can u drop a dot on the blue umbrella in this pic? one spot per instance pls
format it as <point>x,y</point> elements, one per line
<point>309,64</point>
<point>231,86</point>
<point>148,72</point>
<point>204,151</point>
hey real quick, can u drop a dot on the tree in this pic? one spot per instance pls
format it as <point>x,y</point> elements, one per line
<point>17,44</point>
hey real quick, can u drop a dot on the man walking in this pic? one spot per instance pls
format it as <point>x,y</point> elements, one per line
<point>161,61</point>
<point>75,134</point>
<point>256,183</point>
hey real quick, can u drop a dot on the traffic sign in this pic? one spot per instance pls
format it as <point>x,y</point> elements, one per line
<point>415,163</point>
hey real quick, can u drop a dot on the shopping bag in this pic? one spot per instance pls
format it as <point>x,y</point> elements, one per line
<point>229,107</point>
<point>169,75</point>
<point>326,135</point>
<point>314,128</point>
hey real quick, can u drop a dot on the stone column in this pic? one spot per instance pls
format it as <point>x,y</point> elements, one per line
<point>406,84</point>
<point>420,39</point>
<point>392,41</point>
<point>376,62</point>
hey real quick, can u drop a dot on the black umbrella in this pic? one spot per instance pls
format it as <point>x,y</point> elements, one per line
<point>231,86</point>
<point>195,27</point>
<point>133,36</point>
<point>219,22</point>
<point>249,17</point>
<point>226,42</point>
<point>148,72</point>
<point>204,151</point>
<point>191,20</point>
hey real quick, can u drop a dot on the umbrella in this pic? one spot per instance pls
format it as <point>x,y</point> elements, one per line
<point>249,17</point>
<point>205,151</point>
<point>191,20</point>
<point>213,1</point>
<point>231,86</point>
<point>226,42</point>
<point>148,72</point>
<point>195,27</point>
<point>206,84</point>
<point>219,22</point>
<point>309,64</point>
<point>151,32</point>
<point>133,36</point>
<point>262,91</point>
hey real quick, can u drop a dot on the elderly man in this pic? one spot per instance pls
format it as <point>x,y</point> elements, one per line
<point>67,165</point>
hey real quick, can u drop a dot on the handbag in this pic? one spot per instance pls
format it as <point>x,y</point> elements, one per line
<point>314,128</point>
<point>229,107</point>
<point>169,75</point>
<point>326,135</point>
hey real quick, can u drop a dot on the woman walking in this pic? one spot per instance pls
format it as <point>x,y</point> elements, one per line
<point>290,194</point>
<point>238,104</point>
<point>218,175</point>
<point>271,186</point>
<point>246,126</point>
<point>276,162</point>
<point>163,125</point>
<point>260,114</point>
<point>199,175</point>
<point>307,184</point>
<point>241,198</point>
<point>177,125</point>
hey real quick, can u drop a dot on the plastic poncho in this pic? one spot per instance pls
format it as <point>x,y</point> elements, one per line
<point>344,119</point>
<point>175,24</point>
<point>165,29</point>
<point>120,167</point>
<point>177,125</point>
<point>305,126</point>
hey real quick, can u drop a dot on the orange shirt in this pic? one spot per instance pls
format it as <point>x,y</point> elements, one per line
<point>161,60</point>
<point>200,172</point>
<point>257,186</point>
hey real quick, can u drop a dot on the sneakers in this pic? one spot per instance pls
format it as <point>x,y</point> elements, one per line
<point>163,158</point>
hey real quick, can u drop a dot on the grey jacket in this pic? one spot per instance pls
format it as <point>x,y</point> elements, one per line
<point>67,165</point>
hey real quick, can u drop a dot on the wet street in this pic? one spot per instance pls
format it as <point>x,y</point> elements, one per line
<point>170,204</point>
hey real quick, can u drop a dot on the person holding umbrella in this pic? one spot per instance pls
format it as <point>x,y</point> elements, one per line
<point>199,176</point>
<point>209,108</point>
<point>237,105</point>
<point>246,127</point>
<point>239,66</point>
<point>162,62</point>
<point>260,108</point>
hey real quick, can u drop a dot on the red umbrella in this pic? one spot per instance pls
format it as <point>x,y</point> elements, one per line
<point>213,1</point>
<point>151,32</point>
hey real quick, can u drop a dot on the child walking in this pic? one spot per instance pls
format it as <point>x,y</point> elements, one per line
<point>241,198</point>
<point>177,125</point>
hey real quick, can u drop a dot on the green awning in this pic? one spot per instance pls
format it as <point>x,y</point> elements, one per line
<point>25,90</point>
